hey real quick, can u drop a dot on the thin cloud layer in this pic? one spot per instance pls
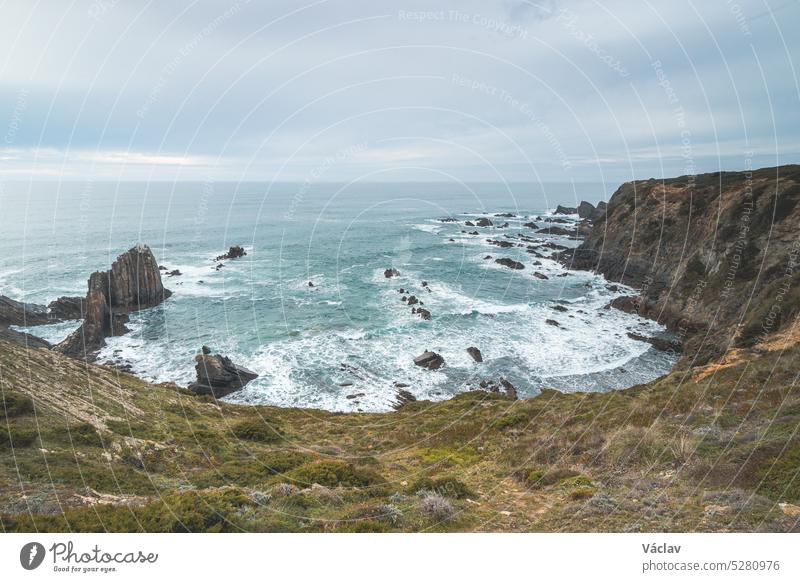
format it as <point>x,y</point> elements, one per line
<point>481,91</point>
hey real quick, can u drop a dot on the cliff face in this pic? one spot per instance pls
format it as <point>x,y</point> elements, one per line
<point>715,255</point>
<point>133,283</point>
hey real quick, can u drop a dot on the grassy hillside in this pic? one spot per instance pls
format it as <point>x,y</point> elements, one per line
<point>87,448</point>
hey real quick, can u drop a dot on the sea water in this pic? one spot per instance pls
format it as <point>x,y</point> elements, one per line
<point>343,343</point>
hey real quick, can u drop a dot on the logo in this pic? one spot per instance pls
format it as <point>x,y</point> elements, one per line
<point>31,555</point>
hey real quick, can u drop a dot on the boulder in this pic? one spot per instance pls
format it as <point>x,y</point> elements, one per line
<point>540,276</point>
<point>218,376</point>
<point>133,283</point>
<point>484,222</point>
<point>389,273</point>
<point>412,300</point>
<point>552,322</point>
<point>476,354</point>
<point>423,313</point>
<point>511,392</point>
<point>510,263</point>
<point>586,210</point>
<point>429,360</point>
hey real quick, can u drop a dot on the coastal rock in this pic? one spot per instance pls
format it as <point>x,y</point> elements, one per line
<point>67,308</point>
<point>661,344</point>
<point>540,276</point>
<point>510,391</point>
<point>510,263</point>
<point>552,322</point>
<point>174,273</point>
<point>448,219</point>
<point>412,300</point>
<point>476,354</point>
<point>14,312</point>
<point>503,244</point>
<point>531,225</point>
<point>556,230</point>
<point>423,313</point>
<point>133,283</point>
<point>218,376</point>
<point>234,252</point>
<point>429,360</point>
<point>484,222</point>
<point>565,210</point>
<point>403,397</point>
<point>586,209</point>
<point>469,223</point>
<point>506,215</point>
<point>389,273</point>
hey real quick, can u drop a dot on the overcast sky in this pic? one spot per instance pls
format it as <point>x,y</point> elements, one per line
<point>396,90</point>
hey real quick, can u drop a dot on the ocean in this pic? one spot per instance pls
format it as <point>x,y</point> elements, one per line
<point>343,343</point>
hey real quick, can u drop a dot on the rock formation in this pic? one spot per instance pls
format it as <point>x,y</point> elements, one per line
<point>17,313</point>
<point>389,273</point>
<point>714,255</point>
<point>234,252</point>
<point>475,353</point>
<point>429,360</point>
<point>133,283</point>
<point>67,308</point>
<point>565,210</point>
<point>484,222</point>
<point>218,376</point>
<point>510,263</point>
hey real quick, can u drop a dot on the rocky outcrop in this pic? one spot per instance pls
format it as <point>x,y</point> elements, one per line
<point>24,314</point>
<point>133,283</point>
<point>475,353</point>
<point>714,256</point>
<point>483,222</point>
<point>403,397</point>
<point>234,252</point>
<point>389,273</point>
<point>586,209</point>
<point>565,210</point>
<point>429,360</point>
<point>218,376</point>
<point>65,308</point>
<point>510,263</point>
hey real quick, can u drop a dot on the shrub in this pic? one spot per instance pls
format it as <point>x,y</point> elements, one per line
<point>85,434</point>
<point>435,507</point>
<point>283,461</point>
<point>259,430</point>
<point>15,404</point>
<point>582,493</point>
<point>334,474</point>
<point>16,436</point>
<point>446,486</point>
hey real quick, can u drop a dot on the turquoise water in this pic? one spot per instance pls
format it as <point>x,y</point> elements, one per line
<point>350,333</point>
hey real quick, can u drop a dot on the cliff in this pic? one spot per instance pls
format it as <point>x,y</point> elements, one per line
<point>714,255</point>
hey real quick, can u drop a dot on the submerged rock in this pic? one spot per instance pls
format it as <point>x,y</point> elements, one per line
<point>429,360</point>
<point>218,376</point>
<point>389,273</point>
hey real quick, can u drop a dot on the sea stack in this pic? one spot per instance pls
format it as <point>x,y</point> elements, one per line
<point>133,283</point>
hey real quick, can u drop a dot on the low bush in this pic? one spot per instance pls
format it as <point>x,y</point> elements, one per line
<point>14,404</point>
<point>446,486</point>
<point>260,430</point>
<point>334,474</point>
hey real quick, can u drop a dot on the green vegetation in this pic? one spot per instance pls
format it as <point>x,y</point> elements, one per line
<point>650,458</point>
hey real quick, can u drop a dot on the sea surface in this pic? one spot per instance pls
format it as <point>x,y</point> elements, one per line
<point>343,343</point>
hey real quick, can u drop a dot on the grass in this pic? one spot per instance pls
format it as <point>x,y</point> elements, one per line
<point>648,457</point>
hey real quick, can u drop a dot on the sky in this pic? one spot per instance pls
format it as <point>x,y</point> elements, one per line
<point>334,91</point>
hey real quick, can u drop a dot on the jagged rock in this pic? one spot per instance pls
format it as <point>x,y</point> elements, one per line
<point>423,313</point>
<point>662,344</point>
<point>469,223</point>
<point>311,284</point>
<point>429,360</point>
<point>133,283</point>
<point>540,275</point>
<point>174,273</point>
<point>511,392</point>
<point>17,313</point>
<point>565,210</point>
<point>556,230</point>
<point>503,244</point>
<point>389,273</point>
<point>487,257</point>
<point>558,308</point>
<point>67,308</point>
<point>484,222</point>
<point>218,376</point>
<point>510,263</point>
<point>412,300</point>
<point>475,353</point>
<point>506,215</point>
<point>530,225</point>
<point>403,397</point>
<point>234,252</point>
<point>448,219</point>
<point>586,209</point>
<point>552,322</point>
